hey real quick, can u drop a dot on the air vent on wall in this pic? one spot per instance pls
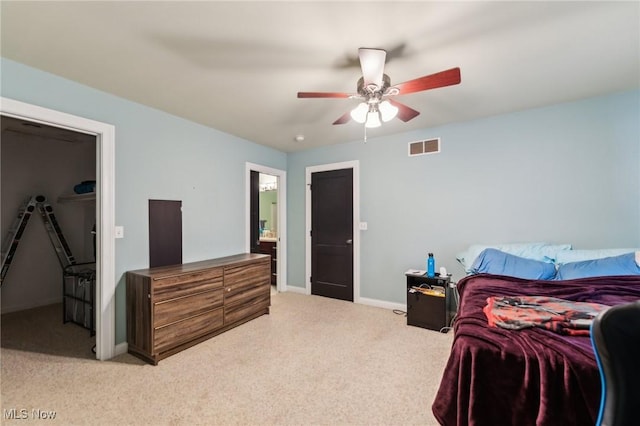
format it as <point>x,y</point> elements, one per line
<point>429,146</point>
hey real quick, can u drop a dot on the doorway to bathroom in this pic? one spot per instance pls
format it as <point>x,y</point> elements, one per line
<point>266,221</point>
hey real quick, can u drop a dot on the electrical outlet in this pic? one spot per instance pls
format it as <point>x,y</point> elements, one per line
<point>363,226</point>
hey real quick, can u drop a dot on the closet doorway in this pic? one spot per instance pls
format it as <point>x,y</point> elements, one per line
<point>101,137</point>
<point>41,165</point>
<point>266,218</point>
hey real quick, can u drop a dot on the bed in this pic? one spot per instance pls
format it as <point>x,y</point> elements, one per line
<point>531,376</point>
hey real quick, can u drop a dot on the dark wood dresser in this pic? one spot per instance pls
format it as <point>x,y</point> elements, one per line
<point>171,308</point>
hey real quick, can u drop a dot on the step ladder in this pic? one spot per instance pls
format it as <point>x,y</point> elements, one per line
<point>15,233</point>
<point>51,225</point>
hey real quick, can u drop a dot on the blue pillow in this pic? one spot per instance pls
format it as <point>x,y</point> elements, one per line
<point>492,261</point>
<point>545,252</point>
<point>609,266</point>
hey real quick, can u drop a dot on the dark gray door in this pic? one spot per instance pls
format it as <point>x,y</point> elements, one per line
<point>332,234</point>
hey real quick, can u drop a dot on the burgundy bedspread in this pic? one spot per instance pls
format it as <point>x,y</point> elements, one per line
<point>496,376</point>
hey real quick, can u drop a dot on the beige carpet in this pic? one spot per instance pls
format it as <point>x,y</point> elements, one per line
<point>313,360</point>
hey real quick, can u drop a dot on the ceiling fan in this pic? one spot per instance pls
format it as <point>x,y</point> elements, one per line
<point>376,91</point>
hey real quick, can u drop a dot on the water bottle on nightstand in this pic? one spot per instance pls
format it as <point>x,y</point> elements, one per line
<point>431,266</point>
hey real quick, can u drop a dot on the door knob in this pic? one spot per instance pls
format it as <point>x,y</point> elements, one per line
<point>349,241</point>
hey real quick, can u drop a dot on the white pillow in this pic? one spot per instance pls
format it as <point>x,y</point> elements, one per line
<point>570,256</point>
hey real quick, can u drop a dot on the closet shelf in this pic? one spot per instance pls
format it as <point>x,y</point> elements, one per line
<point>89,196</point>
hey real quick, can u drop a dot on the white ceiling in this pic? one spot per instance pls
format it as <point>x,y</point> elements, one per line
<point>237,66</point>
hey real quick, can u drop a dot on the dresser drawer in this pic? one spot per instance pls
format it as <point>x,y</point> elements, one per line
<point>247,274</point>
<point>173,334</point>
<point>173,286</point>
<point>259,302</point>
<point>173,310</point>
<point>242,293</point>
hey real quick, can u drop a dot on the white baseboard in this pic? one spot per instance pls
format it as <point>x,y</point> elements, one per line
<point>294,289</point>
<point>121,348</point>
<point>383,304</point>
<point>363,300</point>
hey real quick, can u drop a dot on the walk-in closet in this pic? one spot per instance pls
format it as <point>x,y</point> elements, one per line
<point>48,218</point>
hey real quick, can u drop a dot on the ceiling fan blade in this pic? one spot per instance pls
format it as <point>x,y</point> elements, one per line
<point>372,64</point>
<point>323,95</point>
<point>433,81</point>
<point>344,118</point>
<point>405,113</point>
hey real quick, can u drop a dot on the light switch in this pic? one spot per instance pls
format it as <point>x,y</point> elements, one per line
<point>119,231</point>
<point>363,226</point>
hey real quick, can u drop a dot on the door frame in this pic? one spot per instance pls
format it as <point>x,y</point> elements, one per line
<point>355,166</point>
<point>105,208</point>
<point>281,264</point>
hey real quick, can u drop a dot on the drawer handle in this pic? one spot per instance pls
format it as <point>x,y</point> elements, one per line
<point>228,289</point>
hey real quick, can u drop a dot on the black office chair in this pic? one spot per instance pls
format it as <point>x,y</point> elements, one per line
<point>615,336</point>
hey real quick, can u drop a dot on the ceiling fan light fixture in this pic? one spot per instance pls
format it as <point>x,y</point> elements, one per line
<point>359,113</point>
<point>373,119</point>
<point>387,111</point>
<point>375,85</point>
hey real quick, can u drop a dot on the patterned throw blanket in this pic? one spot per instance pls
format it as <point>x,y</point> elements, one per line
<point>558,315</point>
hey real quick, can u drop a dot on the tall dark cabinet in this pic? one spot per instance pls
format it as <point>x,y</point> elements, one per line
<point>271,248</point>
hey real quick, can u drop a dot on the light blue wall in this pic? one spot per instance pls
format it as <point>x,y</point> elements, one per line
<point>568,173</point>
<point>157,156</point>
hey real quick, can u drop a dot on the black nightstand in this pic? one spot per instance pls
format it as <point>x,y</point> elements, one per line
<point>428,310</point>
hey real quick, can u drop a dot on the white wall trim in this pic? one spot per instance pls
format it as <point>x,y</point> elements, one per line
<point>281,265</point>
<point>121,348</point>
<point>383,304</point>
<point>355,165</point>
<point>105,208</point>
<point>296,289</point>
